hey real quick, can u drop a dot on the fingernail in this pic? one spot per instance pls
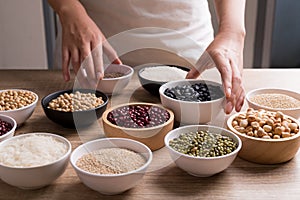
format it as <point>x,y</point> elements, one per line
<point>228,92</point>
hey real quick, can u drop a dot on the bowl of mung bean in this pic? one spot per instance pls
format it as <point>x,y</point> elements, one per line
<point>75,108</point>
<point>193,101</point>
<point>111,165</point>
<point>18,104</point>
<point>116,78</point>
<point>202,150</point>
<point>145,122</point>
<point>275,99</point>
<point>268,137</point>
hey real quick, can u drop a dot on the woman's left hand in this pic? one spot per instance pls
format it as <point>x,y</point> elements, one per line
<point>226,53</point>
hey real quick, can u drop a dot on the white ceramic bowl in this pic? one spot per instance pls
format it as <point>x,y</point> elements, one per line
<point>21,114</point>
<point>114,183</point>
<point>201,166</point>
<point>39,176</point>
<point>187,112</point>
<point>293,112</point>
<point>10,133</point>
<point>115,85</point>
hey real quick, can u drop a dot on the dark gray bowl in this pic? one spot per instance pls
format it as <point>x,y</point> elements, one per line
<point>153,86</point>
<point>77,118</point>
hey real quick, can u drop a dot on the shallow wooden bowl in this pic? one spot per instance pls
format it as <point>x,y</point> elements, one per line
<point>266,151</point>
<point>153,137</point>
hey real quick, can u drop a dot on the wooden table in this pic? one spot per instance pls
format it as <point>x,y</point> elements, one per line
<point>242,180</point>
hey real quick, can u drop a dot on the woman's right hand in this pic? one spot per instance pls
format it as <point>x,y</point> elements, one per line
<point>83,45</point>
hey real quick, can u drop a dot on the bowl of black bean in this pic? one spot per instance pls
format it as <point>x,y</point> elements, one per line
<point>7,127</point>
<point>144,122</point>
<point>202,150</point>
<point>193,101</point>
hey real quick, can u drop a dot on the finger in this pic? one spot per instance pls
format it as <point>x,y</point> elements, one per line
<point>97,55</point>
<point>193,73</point>
<point>75,59</point>
<point>111,53</point>
<point>65,64</point>
<point>225,70</point>
<point>240,100</point>
<point>237,86</point>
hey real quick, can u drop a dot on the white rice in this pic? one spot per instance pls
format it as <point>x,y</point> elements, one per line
<point>31,151</point>
<point>163,73</point>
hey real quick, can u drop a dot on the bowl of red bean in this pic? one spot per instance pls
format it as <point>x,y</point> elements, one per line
<point>75,108</point>
<point>116,78</point>
<point>275,99</point>
<point>145,122</point>
<point>7,127</point>
<point>18,104</point>
<point>193,101</point>
<point>269,137</point>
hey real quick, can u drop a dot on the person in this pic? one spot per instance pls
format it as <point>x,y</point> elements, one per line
<point>87,24</point>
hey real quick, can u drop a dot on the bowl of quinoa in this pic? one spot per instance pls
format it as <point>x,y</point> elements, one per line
<point>111,165</point>
<point>275,99</point>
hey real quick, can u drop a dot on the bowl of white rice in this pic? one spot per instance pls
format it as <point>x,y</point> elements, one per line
<point>152,77</point>
<point>33,160</point>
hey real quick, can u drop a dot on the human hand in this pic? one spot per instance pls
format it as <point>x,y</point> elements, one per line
<point>226,53</point>
<point>83,45</point>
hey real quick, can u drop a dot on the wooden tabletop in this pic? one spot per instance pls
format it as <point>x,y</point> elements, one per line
<point>242,180</point>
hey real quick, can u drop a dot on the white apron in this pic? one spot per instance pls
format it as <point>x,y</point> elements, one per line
<point>152,31</point>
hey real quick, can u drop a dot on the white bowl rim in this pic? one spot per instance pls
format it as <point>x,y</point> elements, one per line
<point>191,102</point>
<point>63,139</point>
<point>138,103</point>
<point>22,108</point>
<point>158,82</point>
<point>279,90</point>
<point>149,160</point>
<point>13,129</point>
<point>131,71</point>
<point>229,124</point>
<point>232,135</point>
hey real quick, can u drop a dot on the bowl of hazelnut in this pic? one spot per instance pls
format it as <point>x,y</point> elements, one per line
<point>75,108</point>
<point>144,122</point>
<point>18,104</point>
<point>268,137</point>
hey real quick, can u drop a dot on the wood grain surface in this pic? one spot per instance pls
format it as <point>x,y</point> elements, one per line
<point>242,180</point>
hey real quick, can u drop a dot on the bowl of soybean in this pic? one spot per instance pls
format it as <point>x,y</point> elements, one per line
<point>75,108</point>
<point>202,150</point>
<point>193,101</point>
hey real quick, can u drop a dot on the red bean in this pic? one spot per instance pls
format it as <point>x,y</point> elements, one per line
<point>138,116</point>
<point>4,127</point>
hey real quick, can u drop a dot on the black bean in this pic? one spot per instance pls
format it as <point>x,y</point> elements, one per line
<point>196,92</point>
<point>4,127</point>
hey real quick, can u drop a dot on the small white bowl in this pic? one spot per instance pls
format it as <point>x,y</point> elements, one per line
<point>187,112</point>
<point>293,112</point>
<point>21,114</point>
<point>39,176</point>
<point>111,184</point>
<point>115,85</point>
<point>202,166</point>
<point>10,133</point>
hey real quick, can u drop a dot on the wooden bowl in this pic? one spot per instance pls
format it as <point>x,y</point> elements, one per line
<point>267,151</point>
<point>153,137</point>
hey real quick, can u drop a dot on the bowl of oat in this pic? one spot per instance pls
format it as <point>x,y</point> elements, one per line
<point>275,99</point>
<point>111,165</point>
<point>116,78</point>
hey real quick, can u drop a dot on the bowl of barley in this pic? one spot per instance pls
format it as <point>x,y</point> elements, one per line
<point>268,137</point>
<point>275,99</point>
